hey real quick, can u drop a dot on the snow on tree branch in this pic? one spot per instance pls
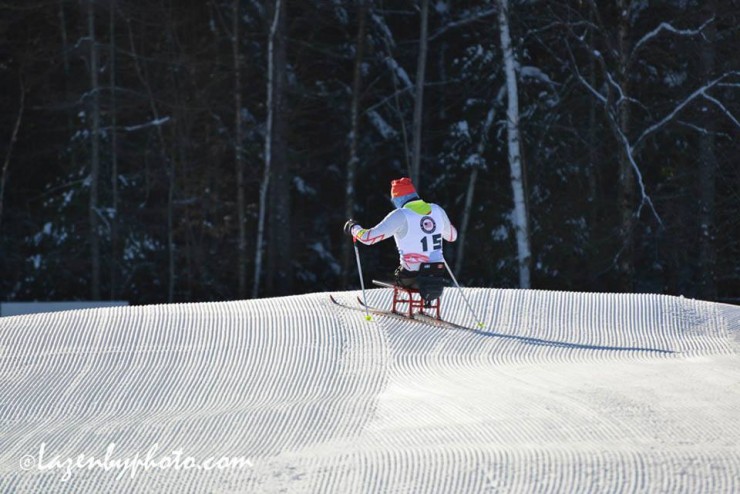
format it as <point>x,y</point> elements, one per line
<point>630,149</point>
<point>702,91</point>
<point>475,16</point>
<point>154,123</point>
<point>702,130</point>
<point>644,197</point>
<point>614,84</point>
<point>596,94</point>
<point>664,26</point>
<point>624,141</point>
<point>399,71</point>
<point>722,107</point>
<point>387,35</point>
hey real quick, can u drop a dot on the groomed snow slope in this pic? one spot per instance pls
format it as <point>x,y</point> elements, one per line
<point>561,392</point>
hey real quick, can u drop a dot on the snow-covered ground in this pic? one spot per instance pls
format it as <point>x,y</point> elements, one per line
<point>560,392</point>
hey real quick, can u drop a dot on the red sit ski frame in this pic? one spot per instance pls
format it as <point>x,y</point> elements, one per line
<point>411,299</point>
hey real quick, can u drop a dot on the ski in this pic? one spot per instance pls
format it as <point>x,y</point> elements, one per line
<point>375,310</point>
<point>419,318</point>
<point>423,318</point>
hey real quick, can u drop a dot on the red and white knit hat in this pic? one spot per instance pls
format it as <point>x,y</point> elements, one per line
<point>402,191</point>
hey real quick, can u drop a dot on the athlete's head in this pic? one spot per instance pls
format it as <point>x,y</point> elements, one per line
<point>402,191</point>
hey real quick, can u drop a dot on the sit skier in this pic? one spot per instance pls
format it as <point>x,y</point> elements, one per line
<point>418,228</point>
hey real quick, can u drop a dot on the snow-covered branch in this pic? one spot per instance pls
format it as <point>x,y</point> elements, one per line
<point>702,91</point>
<point>645,198</point>
<point>664,26</point>
<point>614,84</point>
<point>624,141</point>
<point>596,94</point>
<point>399,71</point>
<point>630,149</point>
<point>462,22</point>
<point>722,108</point>
<point>387,35</point>
<point>102,217</point>
<point>154,123</point>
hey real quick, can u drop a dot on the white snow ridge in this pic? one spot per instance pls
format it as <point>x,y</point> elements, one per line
<point>560,392</point>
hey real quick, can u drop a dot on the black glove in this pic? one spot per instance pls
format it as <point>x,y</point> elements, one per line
<point>348,227</point>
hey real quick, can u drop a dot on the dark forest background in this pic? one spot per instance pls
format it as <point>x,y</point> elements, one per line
<point>149,147</point>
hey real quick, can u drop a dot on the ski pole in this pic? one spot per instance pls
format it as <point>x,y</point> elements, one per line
<point>479,322</point>
<point>362,282</point>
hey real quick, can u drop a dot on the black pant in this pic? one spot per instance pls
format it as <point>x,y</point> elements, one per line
<point>406,278</point>
<point>430,280</point>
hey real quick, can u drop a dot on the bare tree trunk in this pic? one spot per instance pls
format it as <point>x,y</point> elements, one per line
<point>171,277</point>
<point>592,174</point>
<point>113,155</point>
<point>626,178</point>
<point>280,234</point>
<point>467,211</point>
<point>241,201</point>
<point>460,256</point>
<point>264,186</point>
<point>94,154</point>
<point>707,173</point>
<point>349,189</point>
<point>399,111</point>
<point>13,139</point>
<point>169,167</point>
<point>419,95</point>
<point>65,39</point>
<point>521,215</point>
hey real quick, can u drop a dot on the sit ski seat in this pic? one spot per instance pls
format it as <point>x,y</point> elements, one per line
<point>423,293</point>
<point>431,280</point>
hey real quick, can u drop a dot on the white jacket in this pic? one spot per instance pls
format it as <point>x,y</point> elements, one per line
<point>418,229</point>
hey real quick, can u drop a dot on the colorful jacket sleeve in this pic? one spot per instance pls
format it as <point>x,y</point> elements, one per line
<point>394,223</point>
<point>449,232</point>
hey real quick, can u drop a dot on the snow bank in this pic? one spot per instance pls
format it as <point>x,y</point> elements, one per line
<point>560,392</point>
